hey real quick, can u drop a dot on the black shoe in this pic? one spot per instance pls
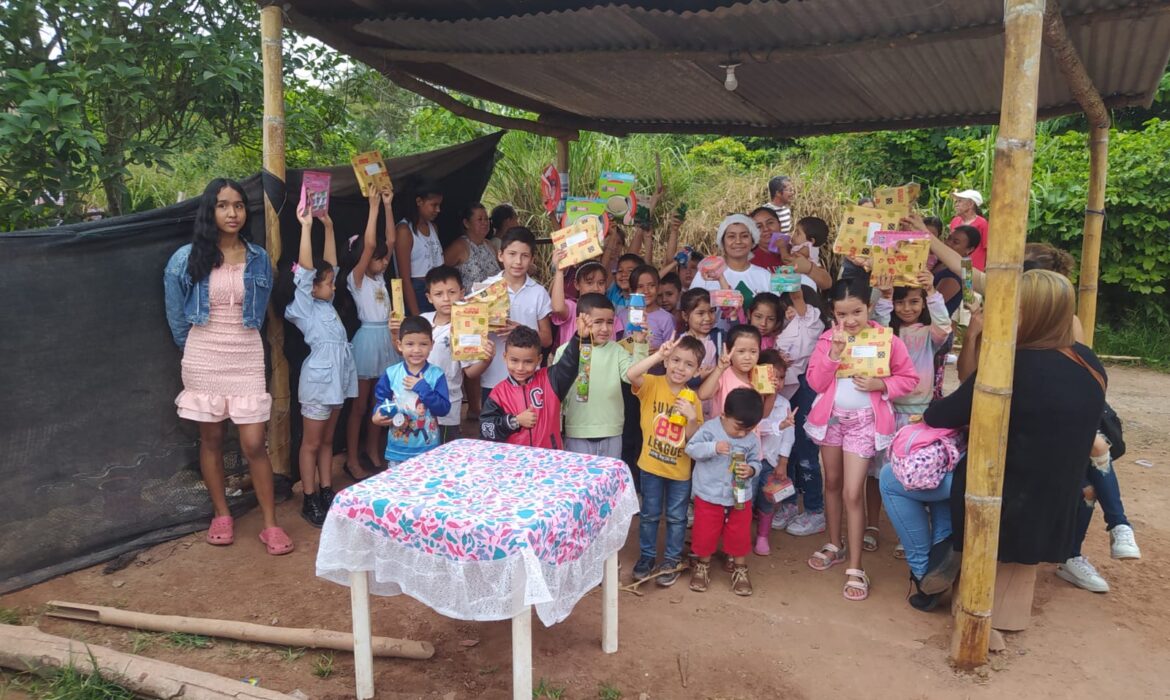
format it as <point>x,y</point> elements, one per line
<point>327,495</point>
<point>942,568</point>
<point>669,579</point>
<point>922,601</point>
<point>312,511</point>
<point>643,568</point>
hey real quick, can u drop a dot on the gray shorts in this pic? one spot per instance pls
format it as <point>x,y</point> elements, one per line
<point>598,447</point>
<point>318,411</point>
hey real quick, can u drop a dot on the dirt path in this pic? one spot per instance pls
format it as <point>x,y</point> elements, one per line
<point>795,638</point>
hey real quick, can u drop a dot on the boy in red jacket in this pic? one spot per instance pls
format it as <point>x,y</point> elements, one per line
<point>525,408</point>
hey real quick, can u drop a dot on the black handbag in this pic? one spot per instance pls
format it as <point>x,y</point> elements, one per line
<point>1111,429</point>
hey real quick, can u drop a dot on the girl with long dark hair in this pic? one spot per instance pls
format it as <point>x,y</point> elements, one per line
<point>217,289</point>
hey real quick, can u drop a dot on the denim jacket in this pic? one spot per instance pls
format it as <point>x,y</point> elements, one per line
<point>189,303</point>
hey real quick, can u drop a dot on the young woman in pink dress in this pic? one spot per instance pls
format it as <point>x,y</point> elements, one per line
<point>217,290</point>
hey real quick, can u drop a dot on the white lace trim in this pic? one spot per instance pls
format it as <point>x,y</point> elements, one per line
<point>478,591</point>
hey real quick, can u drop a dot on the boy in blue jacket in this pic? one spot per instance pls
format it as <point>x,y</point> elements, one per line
<point>411,395</point>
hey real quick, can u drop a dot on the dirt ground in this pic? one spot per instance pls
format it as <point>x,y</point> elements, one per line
<point>795,638</point>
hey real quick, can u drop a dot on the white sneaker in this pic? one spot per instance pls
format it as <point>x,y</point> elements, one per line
<point>785,513</point>
<point>1079,572</point>
<point>806,524</point>
<point>1122,544</point>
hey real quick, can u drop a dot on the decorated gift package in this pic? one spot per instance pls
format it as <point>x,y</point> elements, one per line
<point>397,304</point>
<point>901,255</point>
<point>494,297</point>
<point>900,199</point>
<point>315,191</point>
<point>469,330</point>
<point>858,226</point>
<point>785,279</point>
<point>763,379</point>
<point>581,241</point>
<point>726,299</point>
<point>867,354</point>
<point>371,172</point>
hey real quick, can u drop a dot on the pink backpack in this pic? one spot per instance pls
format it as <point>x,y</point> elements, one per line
<point>921,455</point>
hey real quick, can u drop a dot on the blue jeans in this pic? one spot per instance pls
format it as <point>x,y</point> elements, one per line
<point>907,510</point>
<point>760,501</point>
<point>804,464</point>
<point>659,492</point>
<point>1108,495</point>
<point>420,294</point>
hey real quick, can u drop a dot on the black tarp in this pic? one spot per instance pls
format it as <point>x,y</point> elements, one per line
<point>93,459</point>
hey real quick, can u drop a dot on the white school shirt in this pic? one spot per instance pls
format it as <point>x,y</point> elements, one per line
<point>755,278</point>
<point>372,299</point>
<point>441,357</point>
<point>776,443</point>
<point>529,305</point>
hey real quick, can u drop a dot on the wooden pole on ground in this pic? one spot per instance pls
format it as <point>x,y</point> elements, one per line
<point>242,631</point>
<point>1014,153</point>
<point>279,434</point>
<point>1086,94</point>
<point>29,649</point>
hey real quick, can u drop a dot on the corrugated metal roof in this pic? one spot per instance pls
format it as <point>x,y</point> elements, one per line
<point>808,66</point>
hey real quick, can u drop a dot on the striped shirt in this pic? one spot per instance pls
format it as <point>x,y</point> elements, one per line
<point>784,214</point>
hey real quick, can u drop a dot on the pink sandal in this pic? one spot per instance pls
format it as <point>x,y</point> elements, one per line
<point>861,586</point>
<point>826,557</point>
<point>276,541</point>
<point>222,531</point>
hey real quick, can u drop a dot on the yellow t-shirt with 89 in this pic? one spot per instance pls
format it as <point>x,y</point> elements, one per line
<point>663,441</point>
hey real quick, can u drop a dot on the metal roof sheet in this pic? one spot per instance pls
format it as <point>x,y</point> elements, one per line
<point>808,66</point>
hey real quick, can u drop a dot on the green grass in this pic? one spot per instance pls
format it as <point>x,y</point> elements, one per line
<point>323,665</point>
<point>141,641</point>
<point>608,692</point>
<point>290,654</point>
<point>10,616</point>
<point>1151,342</point>
<point>546,691</point>
<point>183,640</point>
<point>68,684</point>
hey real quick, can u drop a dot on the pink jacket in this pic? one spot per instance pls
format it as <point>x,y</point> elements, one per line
<point>822,378</point>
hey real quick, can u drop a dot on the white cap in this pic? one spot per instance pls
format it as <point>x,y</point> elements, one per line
<point>737,219</point>
<point>972,195</point>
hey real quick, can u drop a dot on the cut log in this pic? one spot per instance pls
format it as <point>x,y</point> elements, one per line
<point>241,631</point>
<point>29,649</point>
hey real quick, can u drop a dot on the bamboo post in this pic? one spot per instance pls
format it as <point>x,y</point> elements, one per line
<point>1014,153</point>
<point>1086,94</point>
<point>278,425</point>
<point>563,171</point>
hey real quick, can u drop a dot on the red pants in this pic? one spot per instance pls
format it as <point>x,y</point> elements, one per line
<point>713,521</point>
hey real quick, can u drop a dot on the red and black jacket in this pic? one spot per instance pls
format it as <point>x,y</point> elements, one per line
<point>544,391</point>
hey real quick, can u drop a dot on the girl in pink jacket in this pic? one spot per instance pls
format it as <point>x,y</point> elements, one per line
<point>851,420</point>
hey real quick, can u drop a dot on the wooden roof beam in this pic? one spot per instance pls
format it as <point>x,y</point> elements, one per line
<point>1072,67</point>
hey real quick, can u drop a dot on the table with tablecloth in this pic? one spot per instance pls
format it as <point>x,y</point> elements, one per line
<point>482,531</point>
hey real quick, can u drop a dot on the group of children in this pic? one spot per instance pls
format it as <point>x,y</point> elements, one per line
<point>713,444</point>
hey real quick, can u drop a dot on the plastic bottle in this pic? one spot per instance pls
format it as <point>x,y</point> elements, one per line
<point>636,313</point>
<point>739,491</point>
<point>677,418</point>
<point>582,393</point>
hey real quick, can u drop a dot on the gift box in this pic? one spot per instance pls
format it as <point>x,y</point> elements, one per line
<point>711,266</point>
<point>581,241</point>
<point>726,299</point>
<point>867,354</point>
<point>469,330</point>
<point>858,226</point>
<point>778,487</point>
<point>577,207</point>
<point>900,199</point>
<point>901,255</point>
<point>315,192</point>
<point>764,379</point>
<point>495,299</point>
<point>785,279</point>
<point>372,175</point>
<point>397,304</point>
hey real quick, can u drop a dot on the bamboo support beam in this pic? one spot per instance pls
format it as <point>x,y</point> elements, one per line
<point>242,631</point>
<point>279,434</point>
<point>1086,94</point>
<point>1015,151</point>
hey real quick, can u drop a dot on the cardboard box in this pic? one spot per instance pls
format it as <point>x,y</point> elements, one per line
<point>901,199</point>
<point>397,305</point>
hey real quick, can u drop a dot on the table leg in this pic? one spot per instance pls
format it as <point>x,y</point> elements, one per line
<point>522,654</point>
<point>363,654</point>
<point>609,606</point>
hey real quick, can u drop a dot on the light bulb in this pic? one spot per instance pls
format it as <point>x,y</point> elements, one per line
<point>730,82</point>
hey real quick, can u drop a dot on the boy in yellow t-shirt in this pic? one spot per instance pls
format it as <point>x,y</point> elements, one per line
<point>668,421</point>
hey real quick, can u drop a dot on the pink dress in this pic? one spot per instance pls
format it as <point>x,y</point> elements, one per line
<point>223,362</point>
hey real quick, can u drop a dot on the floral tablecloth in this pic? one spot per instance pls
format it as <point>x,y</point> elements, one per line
<point>478,530</point>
